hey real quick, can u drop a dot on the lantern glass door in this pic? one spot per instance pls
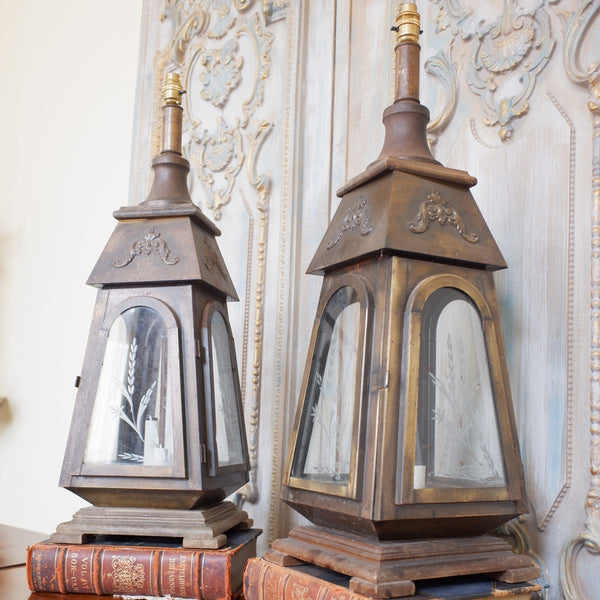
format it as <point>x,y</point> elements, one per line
<point>132,419</point>
<point>458,436</point>
<point>324,447</point>
<point>226,395</point>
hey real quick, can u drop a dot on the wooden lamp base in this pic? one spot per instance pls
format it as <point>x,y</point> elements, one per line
<point>388,569</point>
<point>199,528</point>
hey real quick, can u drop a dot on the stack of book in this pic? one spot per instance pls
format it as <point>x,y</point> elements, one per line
<point>267,581</point>
<point>140,569</point>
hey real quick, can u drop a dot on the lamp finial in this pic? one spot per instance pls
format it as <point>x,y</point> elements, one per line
<point>172,89</point>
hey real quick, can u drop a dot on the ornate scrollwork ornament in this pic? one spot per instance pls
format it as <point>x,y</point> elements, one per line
<point>358,217</point>
<point>435,208</point>
<point>441,66</point>
<point>151,243</point>
<point>510,51</point>
<point>209,40</point>
<point>221,73</point>
<point>516,41</point>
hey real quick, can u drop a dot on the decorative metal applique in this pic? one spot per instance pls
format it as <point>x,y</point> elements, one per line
<point>435,208</point>
<point>211,259</point>
<point>357,217</point>
<point>151,243</point>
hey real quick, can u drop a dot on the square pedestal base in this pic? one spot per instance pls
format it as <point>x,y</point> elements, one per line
<point>199,528</point>
<point>388,569</point>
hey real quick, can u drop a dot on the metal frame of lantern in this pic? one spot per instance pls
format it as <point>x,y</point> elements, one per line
<point>148,445</point>
<point>407,232</point>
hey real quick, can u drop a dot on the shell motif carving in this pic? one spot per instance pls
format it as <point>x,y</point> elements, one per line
<point>507,55</point>
<point>222,73</point>
<point>505,48</point>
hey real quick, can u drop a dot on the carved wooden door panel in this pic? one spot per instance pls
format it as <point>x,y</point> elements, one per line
<point>283,105</point>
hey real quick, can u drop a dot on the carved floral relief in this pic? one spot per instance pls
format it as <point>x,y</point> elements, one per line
<point>222,49</point>
<point>506,56</point>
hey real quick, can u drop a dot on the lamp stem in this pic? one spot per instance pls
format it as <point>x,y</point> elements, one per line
<point>408,52</point>
<point>172,114</point>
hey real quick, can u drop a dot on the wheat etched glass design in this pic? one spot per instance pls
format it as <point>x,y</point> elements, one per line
<point>324,450</point>
<point>458,441</point>
<point>227,420</point>
<point>132,419</point>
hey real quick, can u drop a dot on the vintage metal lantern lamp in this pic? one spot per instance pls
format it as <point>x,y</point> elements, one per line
<point>404,450</point>
<point>157,439</point>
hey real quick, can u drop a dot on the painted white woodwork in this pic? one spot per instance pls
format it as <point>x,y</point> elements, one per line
<point>284,104</point>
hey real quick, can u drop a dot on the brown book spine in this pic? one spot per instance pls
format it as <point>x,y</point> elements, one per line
<point>268,581</point>
<point>130,570</point>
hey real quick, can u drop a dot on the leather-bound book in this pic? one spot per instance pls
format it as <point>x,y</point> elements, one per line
<point>264,580</point>
<point>138,569</point>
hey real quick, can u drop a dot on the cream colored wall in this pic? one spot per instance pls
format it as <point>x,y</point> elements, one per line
<point>67,88</point>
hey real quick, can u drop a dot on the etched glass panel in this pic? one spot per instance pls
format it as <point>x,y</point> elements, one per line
<point>228,431</point>
<point>324,446</point>
<point>458,440</point>
<point>132,419</point>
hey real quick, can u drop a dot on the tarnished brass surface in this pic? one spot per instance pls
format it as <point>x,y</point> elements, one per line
<point>404,228</point>
<point>162,255</point>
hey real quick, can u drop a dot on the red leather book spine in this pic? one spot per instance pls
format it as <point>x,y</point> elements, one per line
<point>181,574</point>
<point>99,570</point>
<point>215,580</point>
<point>129,571</point>
<point>44,568</point>
<point>268,581</point>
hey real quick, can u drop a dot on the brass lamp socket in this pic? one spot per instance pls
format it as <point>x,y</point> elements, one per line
<point>172,90</point>
<point>408,24</point>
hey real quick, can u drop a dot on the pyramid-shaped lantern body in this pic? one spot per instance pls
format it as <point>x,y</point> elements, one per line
<point>158,422</point>
<point>405,427</point>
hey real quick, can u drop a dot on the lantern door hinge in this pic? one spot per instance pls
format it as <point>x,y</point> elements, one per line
<point>380,380</point>
<point>199,350</point>
<point>203,454</point>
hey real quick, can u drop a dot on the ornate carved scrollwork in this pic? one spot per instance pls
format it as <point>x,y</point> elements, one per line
<point>442,67</point>
<point>589,537</point>
<point>506,53</point>
<point>223,49</point>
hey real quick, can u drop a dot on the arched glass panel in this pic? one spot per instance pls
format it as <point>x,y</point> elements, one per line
<point>458,439</point>
<point>324,444</point>
<point>228,431</point>
<point>132,421</point>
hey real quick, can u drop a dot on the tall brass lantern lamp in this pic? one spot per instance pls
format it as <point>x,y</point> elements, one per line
<point>157,439</point>
<point>404,451</point>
